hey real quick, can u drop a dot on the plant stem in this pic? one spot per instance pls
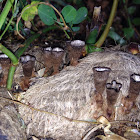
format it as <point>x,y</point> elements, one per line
<point>9,54</point>
<point>6,27</point>
<point>109,23</point>
<point>128,18</point>
<point>10,77</point>
<point>5,12</point>
<point>12,68</point>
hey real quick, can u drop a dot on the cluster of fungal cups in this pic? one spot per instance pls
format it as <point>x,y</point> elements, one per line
<point>58,57</point>
<point>53,59</point>
<point>109,108</point>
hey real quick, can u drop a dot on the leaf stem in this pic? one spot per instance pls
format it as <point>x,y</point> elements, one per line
<point>109,23</point>
<point>9,54</point>
<point>6,27</point>
<point>5,12</point>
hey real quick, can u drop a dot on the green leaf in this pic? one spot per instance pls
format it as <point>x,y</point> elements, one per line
<point>47,14</point>
<point>136,21</point>
<point>81,15</point>
<point>75,29</point>
<point>91,48</point>
<point>131,9</point>
<point>69,13</point>
<point>78,3</point>
<point>128,32</point>
<point>60,2</point>
<point>112,34</point>
<point>92,37</point>
<point>30,13</point>
<point>124,1</point>
<point>22,3</point>
<point>136,1</point>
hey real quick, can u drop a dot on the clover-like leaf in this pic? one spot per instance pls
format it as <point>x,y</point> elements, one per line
<point>69,13</point>
<point>47,14</point>
<point>81,15</point>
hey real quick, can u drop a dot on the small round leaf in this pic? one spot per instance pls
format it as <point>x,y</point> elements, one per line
<point>46,14</point>
<point>81,15</point>
<point>69,13</point>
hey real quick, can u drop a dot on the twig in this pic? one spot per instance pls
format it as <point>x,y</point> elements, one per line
<point>42,111</point>
<point>92,130</point>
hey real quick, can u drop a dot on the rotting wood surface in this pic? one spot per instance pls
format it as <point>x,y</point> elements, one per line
<point>103,83</point>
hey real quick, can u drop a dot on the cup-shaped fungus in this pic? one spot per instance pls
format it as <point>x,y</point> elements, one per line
<point>47,58</point>
<point>133,48</point>
<point>28,62</point>
<point>75,50</point>
<point>112,91</point>
<point>53,58</point>
<point>5,65</point>
<point>100,75</point>
<point>128,102</point>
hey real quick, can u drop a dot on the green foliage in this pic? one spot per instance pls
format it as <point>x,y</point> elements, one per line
<point>22,3</point>
<point>78,3</point>
<point>91,48</point>
<point>75,29</point>
<point>123,1</point>
<point>92,37</point>
<point>46,14</point>
<point>69,13</point>
<point>131,9</point>
<point>136,1</point>
<point>117,38</point>
<point>128,32</point>
<point>81,15</point>
<point>31,11</point>
<point>136,21</point>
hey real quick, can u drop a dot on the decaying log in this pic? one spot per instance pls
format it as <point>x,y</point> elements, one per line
<point>103,83</point>
<point>11,126</point>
